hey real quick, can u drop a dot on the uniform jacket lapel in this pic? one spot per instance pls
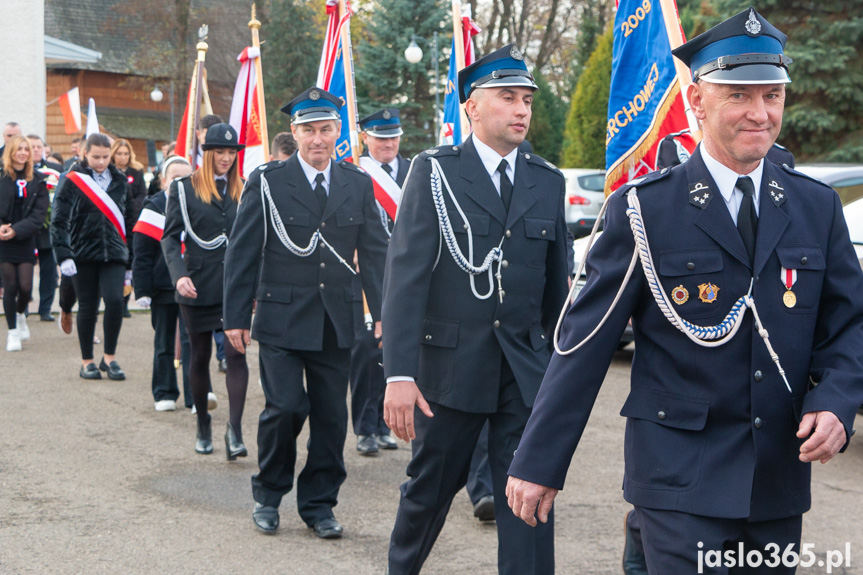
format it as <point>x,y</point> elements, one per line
<point>299,186</point>
<point>481,188</point>
<point>714,218</point>
<point>772,218</point>
<point>523,196</point>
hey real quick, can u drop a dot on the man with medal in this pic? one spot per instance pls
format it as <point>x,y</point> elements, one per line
<point>739,383</point>
<point>297,228</point>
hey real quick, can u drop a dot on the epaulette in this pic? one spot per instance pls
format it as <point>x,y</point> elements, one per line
<point>440,151</point>
<point>643,181</point>
<point>351,166</point>
<point>270,165</point>
<point>540,161</point>
<point>794,172</point>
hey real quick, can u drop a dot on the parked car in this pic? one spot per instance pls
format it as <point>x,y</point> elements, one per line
<point>585,194</point>
<point>846,179</point>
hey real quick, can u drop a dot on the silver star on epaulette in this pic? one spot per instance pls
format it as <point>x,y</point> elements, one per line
<point>701,200</point>
<point>705,196</point>
<point>780,196</point>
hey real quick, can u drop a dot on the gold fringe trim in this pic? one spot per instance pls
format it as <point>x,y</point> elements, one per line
<point>640,149</point>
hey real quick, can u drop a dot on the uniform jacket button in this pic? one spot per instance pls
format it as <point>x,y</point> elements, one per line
<point>757,423</point>
<point>504,264</point>
<point>350,219</point>
<point>543,233</point>
<point>758,376</point>
<point>690,266</point>
<point>322,286</point>
<point>290,219</point>
<point>323,224</point>
<point>428,337</point>
<point>465,225</point>
<point>804,260</point>
<point>508,233</point>
<point>496,324</point>
<point>323,265</point>
<point>661,415</point>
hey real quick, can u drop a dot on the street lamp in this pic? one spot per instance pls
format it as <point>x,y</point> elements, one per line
<point>414,54</point>
<point>157,96</point>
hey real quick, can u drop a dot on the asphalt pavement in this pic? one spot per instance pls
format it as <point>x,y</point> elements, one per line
<point>93,481</point>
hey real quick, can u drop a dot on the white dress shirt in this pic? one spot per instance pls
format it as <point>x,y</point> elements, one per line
<point>726,179</point>
<point>311,173</point>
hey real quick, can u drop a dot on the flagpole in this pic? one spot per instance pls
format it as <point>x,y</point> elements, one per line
<point>350,91</point>
<point>255,25</point>
<point>458,37</point>
<point>201,47</point>
<point>684,77</point>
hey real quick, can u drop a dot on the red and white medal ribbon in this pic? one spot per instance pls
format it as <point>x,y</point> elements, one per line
<point>22,188</point>
<point>788,277</point>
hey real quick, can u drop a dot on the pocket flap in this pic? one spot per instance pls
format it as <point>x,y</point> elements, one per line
<point>666,409</point>
<point>276,293</point>
<point>349,218</point>
<point>690,262</point>
<point>297,219</point>
<point>478,223</point>
<point>538,228</point>
<point>538,339</point>
<point>801,257</point>
<point>440,333</point>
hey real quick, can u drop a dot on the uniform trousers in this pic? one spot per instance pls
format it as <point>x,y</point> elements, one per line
<point>479,482</point>
<point>368,384</point>
<point>673,541</point>
<point>163,318</point>
<point>288,404</point>
<point>442,453</point>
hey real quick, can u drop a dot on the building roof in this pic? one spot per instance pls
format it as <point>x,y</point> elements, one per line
<point>136,124</point>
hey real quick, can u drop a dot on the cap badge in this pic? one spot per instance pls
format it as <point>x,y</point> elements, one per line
<point>314,95</point>
<point>228,136</point>
<point>753,26</point>
<point>680,295</point>
<point>708,292</point>
<point>386,115</point>
<point>515,54</point>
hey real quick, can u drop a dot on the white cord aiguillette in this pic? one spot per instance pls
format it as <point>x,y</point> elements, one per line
<point>704,336</point>
<point>213,244</point>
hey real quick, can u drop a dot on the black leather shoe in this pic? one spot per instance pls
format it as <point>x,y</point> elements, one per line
<point>633,561</point>
<point>46,317</point>
<point>90,372</point>
<point>113,370</point>
<point>387,441</point>
<point>266,518</point>
<point>328,528</point>
<point>234,447</point>
<point>223,365</point>
<point>204,441</point>
<point>484,508</point>
<point>367,444</point>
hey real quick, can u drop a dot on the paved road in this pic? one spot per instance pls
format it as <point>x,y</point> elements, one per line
<point>93,480</point>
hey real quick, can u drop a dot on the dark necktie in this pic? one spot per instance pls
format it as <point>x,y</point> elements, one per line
<point>505,185</point>
<point>388,169</point>
<point>747,221</point>
<point>320,192</point>
<point>220,186</point>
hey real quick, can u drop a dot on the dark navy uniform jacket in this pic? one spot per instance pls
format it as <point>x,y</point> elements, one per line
<point>293,292</point>
<point>434,328</point>
<point>711,431</point>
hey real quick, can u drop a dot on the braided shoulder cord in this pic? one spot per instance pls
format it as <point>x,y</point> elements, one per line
<point>282,233</point>
<point>213,244</point>
<point>438,182</point>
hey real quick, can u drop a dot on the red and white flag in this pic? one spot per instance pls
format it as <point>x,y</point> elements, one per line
<point>150,223</point>
<point>70,106</point>
<point>182,145</point>
<point>245,113</point>
<point>387,192</point>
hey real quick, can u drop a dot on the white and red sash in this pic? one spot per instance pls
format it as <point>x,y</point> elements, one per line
<point>101,200</point>
<point>150,223</point>
<point>387,192</point>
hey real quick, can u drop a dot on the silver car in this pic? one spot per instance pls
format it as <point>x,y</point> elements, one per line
<point>584,198</point>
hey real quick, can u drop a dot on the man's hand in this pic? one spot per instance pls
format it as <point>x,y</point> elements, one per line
<point>186,288</point>
<point>826,441</point>
<point>399,402</point>
<point>239,338</point>
<point>529,501</point>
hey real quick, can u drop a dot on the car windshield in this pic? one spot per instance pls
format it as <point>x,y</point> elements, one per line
<point>849,189</point>
<point>593,182</point>
<point>854,219</point>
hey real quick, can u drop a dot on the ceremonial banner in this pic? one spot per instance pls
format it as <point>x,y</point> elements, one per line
<point>645,103</point>
<point>245,115</point>
<point>182,142</point>
<point>331,74</point>
<point>92,122</point>
<point>451,129</point>
<point>70,106</point>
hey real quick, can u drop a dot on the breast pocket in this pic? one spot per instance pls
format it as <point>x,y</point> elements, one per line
<point>349,218</point>
<point>809,263</point>
<point>693,281</point>
<point>539,233</point>
<point>297,219</point>
<point>478,223</point>
<point>271,318</point>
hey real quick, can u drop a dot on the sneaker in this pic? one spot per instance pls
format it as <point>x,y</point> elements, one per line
<point>212,401</point>
<point>23,330</point>
<point>13,341</point>
<point>166,405</point>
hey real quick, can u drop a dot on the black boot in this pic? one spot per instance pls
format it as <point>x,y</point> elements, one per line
<point>204,443</point>
<point>234,445</point>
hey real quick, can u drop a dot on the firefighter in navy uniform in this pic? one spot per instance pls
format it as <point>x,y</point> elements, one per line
<point>467,330</point>
<point>297,229</point>
<point>381,133</point>
<point>719,439</point>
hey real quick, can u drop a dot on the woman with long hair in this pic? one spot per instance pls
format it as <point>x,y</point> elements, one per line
<point>92,215</point>
<point>203,207</point>
<point>23,208</point>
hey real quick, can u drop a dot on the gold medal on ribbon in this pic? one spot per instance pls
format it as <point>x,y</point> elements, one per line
<point>789,299</point>
<point>788,278</point>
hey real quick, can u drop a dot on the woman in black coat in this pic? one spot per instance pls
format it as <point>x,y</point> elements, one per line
<point>23,207</point>
<point>203,206</point>
<point>92,214</point>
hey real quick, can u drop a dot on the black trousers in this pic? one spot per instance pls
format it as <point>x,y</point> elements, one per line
<point>288,404</point>
<point>163,318</point>
<point>671,542</point>
<point>47,280</point>
<point>442,452</point>
<point>368,384</point>
<point>68,297</point>
<point>479,483</point>
<point>95,280</point>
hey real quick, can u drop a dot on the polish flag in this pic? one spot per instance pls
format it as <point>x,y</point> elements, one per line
<point>70,106</point>
<point>182,144</point>
<point>245,114</point>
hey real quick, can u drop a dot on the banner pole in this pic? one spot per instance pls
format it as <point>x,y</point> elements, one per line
<point>201,47</point>
<point>458,42</point>
<point>255,25</point>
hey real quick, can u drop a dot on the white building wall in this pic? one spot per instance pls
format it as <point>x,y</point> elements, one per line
<point>22,65</point>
